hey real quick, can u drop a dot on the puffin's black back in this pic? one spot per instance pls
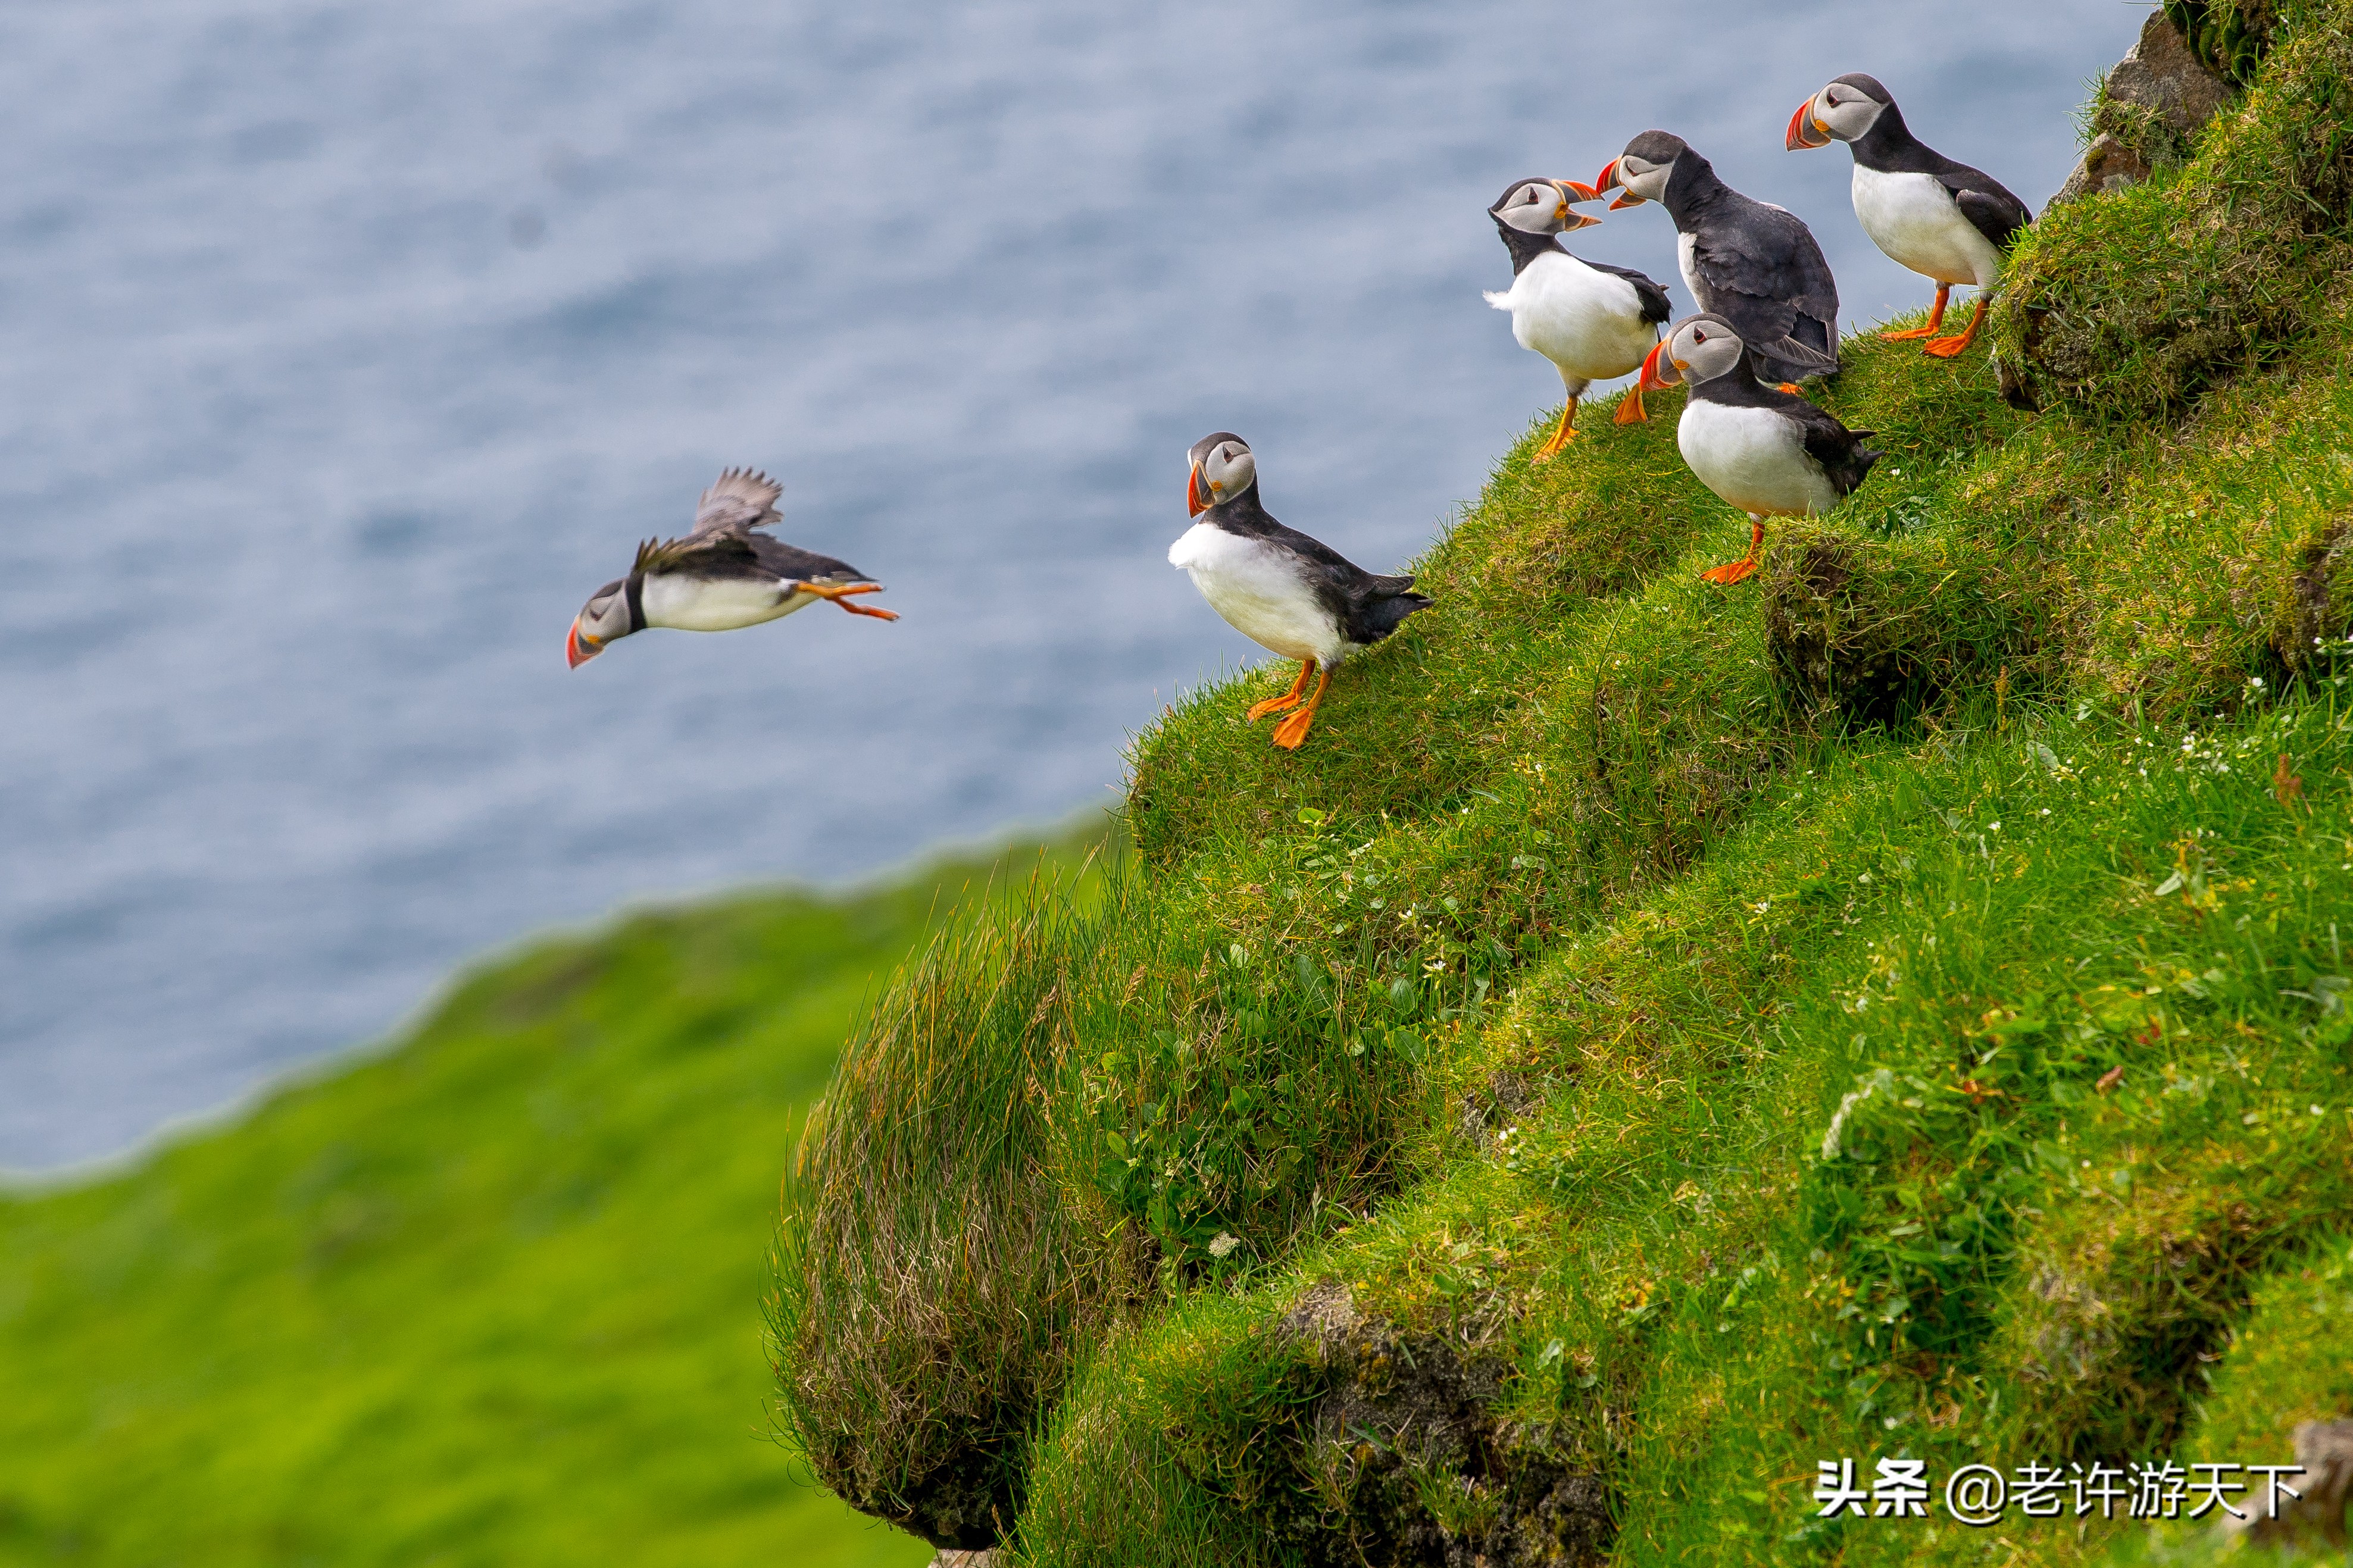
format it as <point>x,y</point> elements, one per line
<point>1764,270</point>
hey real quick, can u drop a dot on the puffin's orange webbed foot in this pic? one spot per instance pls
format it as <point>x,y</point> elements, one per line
<point>1793,389</point>
<point>1732,571</point>
<point>1562,434</point>
<point>1630,407</point>
<point>1293,729</point>
<point>1935,319</point>
<point>1290,698</point>
<point>840,593</point>
<point>1953,348</point>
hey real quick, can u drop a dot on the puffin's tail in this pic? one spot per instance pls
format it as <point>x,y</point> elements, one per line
<point>1500,301</point>
<point>1386,606</point>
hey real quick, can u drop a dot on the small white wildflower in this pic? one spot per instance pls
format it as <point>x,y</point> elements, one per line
<point>2046,811</point>
<point>1225,1242</point>
<point>1993,828</point>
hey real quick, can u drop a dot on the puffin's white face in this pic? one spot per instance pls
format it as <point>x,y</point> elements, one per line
<point>1644,180</point>
<point>1702,350</point>
<point>1541,207</point>
<point>604,618</point>
<point>1220,474</point>
<point>1844,111</point>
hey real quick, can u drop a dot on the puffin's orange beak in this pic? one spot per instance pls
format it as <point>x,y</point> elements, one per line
<point>1574,191</point>
<point>579,647</point>
<point>1608,182</point>
<point>1653,376</point>
<point>1195,505</point>
<point>1806,129</point>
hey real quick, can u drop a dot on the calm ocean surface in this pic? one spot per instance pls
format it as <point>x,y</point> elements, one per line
<point>347,347</point>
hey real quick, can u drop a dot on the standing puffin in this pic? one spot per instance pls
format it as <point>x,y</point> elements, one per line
<point>1593,320</point>
<point>1768,452</point>
<point>720,576</point>
<point>1943,220</point>
<point>1289,594</point>
<point>1752,263</point>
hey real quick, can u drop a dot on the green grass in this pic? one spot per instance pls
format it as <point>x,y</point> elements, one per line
<point>490,1297</point>
<point>1653,1039</point>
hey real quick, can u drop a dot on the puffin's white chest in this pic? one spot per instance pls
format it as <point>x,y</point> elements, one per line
<point>716,605</point>
<point>1259,592</point>
<point>1586,321</point>
<point>1915,219</point>
<point>1754,459</point>
<point>1687,247</point>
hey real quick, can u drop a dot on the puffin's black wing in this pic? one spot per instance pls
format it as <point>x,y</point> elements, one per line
<point>1766,275</point>
<point>1839,451</point>
<point>702,555</point>
<point>1987,203</point>
<point>1654,294</point>
<point>1366,606</point>
<point>781,559</point>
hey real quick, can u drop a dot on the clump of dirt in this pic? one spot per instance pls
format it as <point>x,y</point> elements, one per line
<point>1878,634</point>
<point>1412,1465</point>
<point>2316,613</point>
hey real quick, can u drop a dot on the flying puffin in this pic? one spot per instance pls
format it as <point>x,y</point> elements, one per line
<point>1768,452</point>
<point>1752,263</point>
<point>1289,594</point>
<point>1943,220</point>
<point>720,576</point>
<point>1593,320</point>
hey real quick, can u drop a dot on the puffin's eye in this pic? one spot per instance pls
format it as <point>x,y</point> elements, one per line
<point>1699,337</point>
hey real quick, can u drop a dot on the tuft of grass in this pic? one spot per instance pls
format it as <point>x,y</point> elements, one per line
<point>930,1281</point>
<point>2127,304</point>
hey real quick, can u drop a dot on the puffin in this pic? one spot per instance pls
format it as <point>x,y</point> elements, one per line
<point>1290,594</point>
<point>1768,452</point>
<point>1748,261</point>
<point>1943,220</point>
<point>722,575</point>
<point>1593,320</point>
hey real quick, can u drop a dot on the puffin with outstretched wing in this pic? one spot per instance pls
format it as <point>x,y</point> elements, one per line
<point>724,573</point>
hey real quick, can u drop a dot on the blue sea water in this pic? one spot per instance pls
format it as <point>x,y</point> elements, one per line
<point>347,347</point>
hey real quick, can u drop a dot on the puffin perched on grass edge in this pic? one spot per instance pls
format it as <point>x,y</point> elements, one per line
<point>1753,263</point>
<point>1768,452</point>
<point>1943,220</point>
<point>720,576</point>
<point>1290,594</point>
<point>1593,320</point>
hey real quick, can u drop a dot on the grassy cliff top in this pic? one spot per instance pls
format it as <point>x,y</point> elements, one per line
<point>1656,1039</point>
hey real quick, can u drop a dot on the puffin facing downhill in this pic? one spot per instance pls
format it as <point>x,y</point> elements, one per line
<point>1593,320</point>
<point>1768,452</point>
<point>1756,264</point>
<point>1943,220</point>
<point>1290,594</point>
<point>722,575</point>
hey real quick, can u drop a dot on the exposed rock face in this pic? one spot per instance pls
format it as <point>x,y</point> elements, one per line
<point>2162,80</point>
<point>2325,1450</point>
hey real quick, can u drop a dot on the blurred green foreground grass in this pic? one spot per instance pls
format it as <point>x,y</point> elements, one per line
<point>490,1297</point>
